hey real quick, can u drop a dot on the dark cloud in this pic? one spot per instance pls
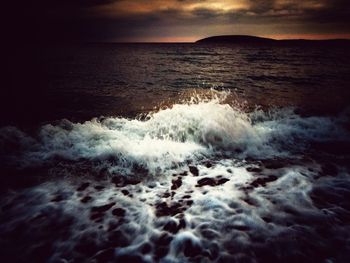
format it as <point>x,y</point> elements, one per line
<point>79,20</point>
<point>334,12</point>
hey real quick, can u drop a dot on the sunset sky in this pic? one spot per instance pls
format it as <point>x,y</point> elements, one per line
<point>180,20</point>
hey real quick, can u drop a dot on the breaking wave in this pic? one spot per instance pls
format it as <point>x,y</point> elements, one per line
<point>188,132</point>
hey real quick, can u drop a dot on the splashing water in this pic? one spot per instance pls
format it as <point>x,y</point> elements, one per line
<point>203,180</point>
<point>201,128</point>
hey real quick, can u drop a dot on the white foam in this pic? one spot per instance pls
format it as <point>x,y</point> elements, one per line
<point>168,138</point>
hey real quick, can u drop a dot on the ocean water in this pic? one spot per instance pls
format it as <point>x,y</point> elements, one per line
<point>180,153</point>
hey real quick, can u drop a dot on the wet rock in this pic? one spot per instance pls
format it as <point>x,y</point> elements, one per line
<point>97,217</point>
<point>189,202</point>
<point>120,212</point>
<point>254,169</point>
<point>121,181</point>
<point>171,227</point>
<point>206,181</point>
<point>166,195</point>
<point>211,181</point>
<point>97,212</point>
<point>125,192</point>
<point>194,170</point>
<point>163,209</point>
<point>99,187</point>
<point>176,183</point>
<point>86,199</point>
<point>162,245</point>
<point>102,208</point>
<point>222,181</point>
<point>208,164</point>
<point>182,223</point>
<point>164,239</point>
<point>249,201</point>
<point>83,186</point>
<point>132,181</point>
<point>57,198</point>
<point>191,249</point>
<point>174,227</point>
<point>262,181</point>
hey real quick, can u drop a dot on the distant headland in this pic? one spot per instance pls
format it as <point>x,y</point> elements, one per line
<point>254,40</point>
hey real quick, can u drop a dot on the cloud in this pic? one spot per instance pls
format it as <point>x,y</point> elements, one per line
<point>106,20</point>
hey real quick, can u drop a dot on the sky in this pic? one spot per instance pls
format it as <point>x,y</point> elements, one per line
<point>174,20</point>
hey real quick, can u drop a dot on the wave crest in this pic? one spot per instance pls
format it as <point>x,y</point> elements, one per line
<point>182,133</point>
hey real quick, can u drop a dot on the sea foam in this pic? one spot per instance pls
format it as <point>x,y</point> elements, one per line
<point>168,138</point>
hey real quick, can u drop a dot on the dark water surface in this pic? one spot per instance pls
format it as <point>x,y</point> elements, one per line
<point>84,81</point>
<point>176,153</point>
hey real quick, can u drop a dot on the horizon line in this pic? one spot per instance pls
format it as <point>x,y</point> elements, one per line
<point>187,40</point>
<point>193,42</point>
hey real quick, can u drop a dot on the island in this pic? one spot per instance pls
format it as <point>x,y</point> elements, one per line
<point>254,40</point>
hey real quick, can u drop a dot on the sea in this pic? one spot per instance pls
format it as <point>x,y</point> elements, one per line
<point>176,153</point>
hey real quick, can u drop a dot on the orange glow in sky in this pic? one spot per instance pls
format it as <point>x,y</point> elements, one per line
<point>190,20</point>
